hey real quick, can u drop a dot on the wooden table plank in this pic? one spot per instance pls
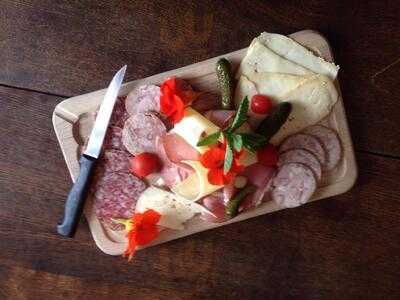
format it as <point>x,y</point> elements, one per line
<point>70,48</point>
<point>343,247</point>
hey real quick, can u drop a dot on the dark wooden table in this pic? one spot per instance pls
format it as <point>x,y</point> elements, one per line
<point>343,247</point>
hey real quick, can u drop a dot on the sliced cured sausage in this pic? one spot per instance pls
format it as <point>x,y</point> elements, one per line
<point>145,98</point>
<point>302,156</point>
<point>115,195</point>
<point>293,185</point>
<point>113,138</point>
<point>141,131</point>
<point>119,114</point>
<point>307,142</point>
<point>331,143</point>
<point>115,161</point>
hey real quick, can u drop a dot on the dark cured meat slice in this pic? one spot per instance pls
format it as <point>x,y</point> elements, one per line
<point>115,196</point>
<point>113,138</point>
<point>140,133</point>
<point>301,156</point>
<point>119,114</point>
<point>304,141</point>
<point>331,143</point>
<point>145,98</point>
<point>206,101</point>
<point>115,161</point>
<point>293,185</point>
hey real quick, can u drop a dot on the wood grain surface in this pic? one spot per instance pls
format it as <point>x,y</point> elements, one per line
<point>345,247</point>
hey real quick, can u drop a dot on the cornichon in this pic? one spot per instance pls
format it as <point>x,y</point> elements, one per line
<point>234,203</point>
<point>225,81</point>
<point>272,123</point>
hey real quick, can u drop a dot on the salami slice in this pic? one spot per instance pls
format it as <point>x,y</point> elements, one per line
<point>304,157</point>
<point>293,185</point>
<point>307,142</point>
<point>115,195</point>
<point>331,143</point>
<point>113,138</point>
<point>119,114</point>
<point>115,161</point>
<point>140,133</point>
<point>145,98</point>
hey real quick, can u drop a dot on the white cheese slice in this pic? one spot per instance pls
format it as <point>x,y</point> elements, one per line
<point>293,51</point>
<point>196,186</point>
<point>174,210</point>
<point>260,58</point>
<point>311,102</point>
<point>269,84</point>
<point>193,127</point>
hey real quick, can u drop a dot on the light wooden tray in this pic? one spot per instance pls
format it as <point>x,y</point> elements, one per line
<point>72,125</point>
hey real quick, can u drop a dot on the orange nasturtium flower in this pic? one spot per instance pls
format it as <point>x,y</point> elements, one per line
<point>214,158</point>
<point>141,229</point>
<point>176,95</point>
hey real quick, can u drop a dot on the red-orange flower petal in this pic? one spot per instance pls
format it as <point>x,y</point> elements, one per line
<point>213,158</point>
<point>150,216</point>
<point>142,229</point>
<point>216,176</point>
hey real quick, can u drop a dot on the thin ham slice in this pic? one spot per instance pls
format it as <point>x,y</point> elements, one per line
<point>216,208</point>
<point>171,173</point>
<point>260,176</point>
<point>220,117</point>
<point>177,149</point>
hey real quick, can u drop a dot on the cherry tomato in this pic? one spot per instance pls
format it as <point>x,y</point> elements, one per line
<point>144,164</point>
<point>268,155</point>
<point>261,104</point>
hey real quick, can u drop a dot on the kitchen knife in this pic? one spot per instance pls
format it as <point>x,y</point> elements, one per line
<point>77,196</point>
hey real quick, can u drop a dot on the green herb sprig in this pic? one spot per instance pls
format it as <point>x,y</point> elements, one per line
<point>236,141</point>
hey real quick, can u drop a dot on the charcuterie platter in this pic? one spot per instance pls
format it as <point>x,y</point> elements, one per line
<point>227,139</point>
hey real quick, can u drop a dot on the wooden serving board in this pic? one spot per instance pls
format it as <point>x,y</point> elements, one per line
<point>72,125</point>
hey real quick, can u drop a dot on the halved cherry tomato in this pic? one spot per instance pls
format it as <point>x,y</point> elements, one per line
<point>268,155</point>
<point>144,164</point>
<point>261,104</point>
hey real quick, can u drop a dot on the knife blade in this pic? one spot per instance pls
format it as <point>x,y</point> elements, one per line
<point>78,193</point>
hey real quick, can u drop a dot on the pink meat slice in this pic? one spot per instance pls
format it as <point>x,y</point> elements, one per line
<point>307,142</point>
<point>113,138</point>
<point>206,101</point>
<point>140,133</point>
<point>331,143</point>
<point>302,156</point>
<point>115,195</point>
<point>115,161</point>
<point>145,98</point>
<point>177,149</point>
<point>220,117</point>
<point>293,185</point>
<point>119,114</point>
<point>259,176</point>
<point>171,173</point>
<point>215,206</point>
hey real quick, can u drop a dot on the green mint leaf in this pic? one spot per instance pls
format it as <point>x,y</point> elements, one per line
<point>228,158</point>
<point>237,142</point>
<point>241,115</point>
<point>253,141</point>
<point>210,139</point>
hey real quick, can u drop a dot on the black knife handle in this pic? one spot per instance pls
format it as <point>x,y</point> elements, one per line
<point>76,197</point>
